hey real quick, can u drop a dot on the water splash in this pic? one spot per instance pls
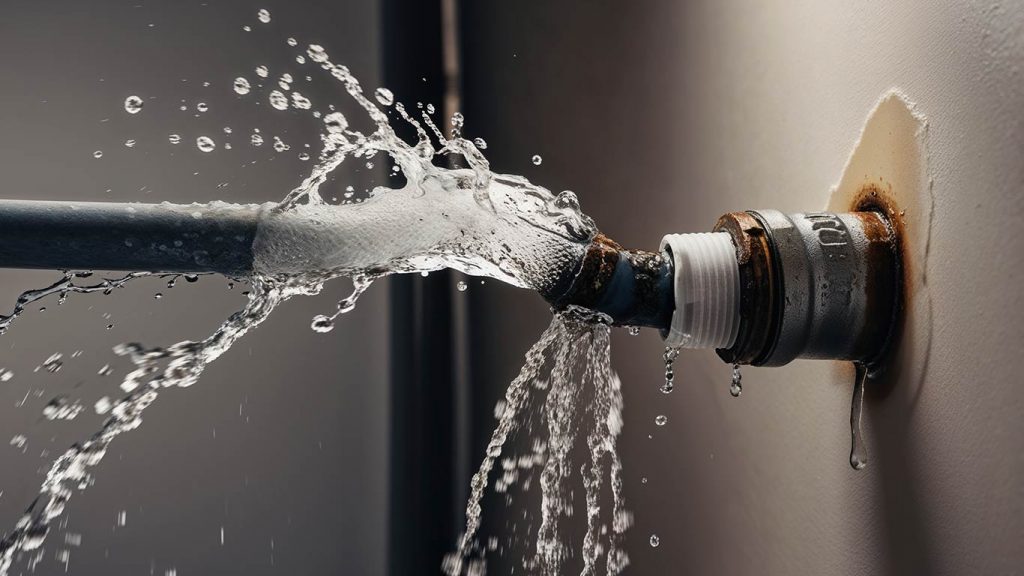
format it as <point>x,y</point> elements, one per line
<point>565,394</point>
<point>473,220</point>
<point>62,288</point>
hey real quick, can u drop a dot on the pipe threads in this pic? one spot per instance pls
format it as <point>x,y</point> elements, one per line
<point>707,290</point>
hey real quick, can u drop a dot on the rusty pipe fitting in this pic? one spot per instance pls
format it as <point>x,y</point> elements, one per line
<point>631,287</point>
<point>814,285</point>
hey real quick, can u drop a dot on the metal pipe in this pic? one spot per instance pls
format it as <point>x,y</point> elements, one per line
<point>816,285</point>
<point>765,289</point>
<point>216,237</point>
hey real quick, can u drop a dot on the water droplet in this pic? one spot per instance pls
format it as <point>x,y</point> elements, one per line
<point>384,96</point>
<point>736,387</point>
<point>263,15</point>
<point>335,122</point>
<point>6,375</point>
<point>133,104</point>
<point>158,295</point>
<point>262,71</point>
<point>106,370</point>
<point>280,146</point>
<point>633,330</point>
<point>292,42</point>
<point>303,156</point>
<point>109,326</point>
<point>316,53</point>
<point>661,419</point>
<point>669,357</point>
<point>858,452</point>
<point>242,86</point>
<point>18,441</point>
<point>256,140</point>
<point>322,324</point>
<point>278,100</point>
<point>300,59</point>
<point>97,154</point>
<point>537,160</point>
<point>655,541</point>
<point>129,143</point>
<point>462,286</point>
<point>247,28</point>
<point>205,144</point>
<point>191,278</point>
<point>643,480</point>
<point>103,405</point>
<point>202,107</point>
<point>174,139</point>
<point>300,102</point>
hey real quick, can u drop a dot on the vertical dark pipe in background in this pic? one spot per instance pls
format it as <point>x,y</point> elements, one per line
<point>425,482</point>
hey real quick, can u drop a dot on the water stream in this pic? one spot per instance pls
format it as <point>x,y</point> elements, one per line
<point>566,399</point>
<point>568,402</point>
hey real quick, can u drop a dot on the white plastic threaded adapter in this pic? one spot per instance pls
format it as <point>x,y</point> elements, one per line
<point>707,290</point>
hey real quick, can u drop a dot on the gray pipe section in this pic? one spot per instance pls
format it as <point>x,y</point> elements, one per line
<point>216,237</point>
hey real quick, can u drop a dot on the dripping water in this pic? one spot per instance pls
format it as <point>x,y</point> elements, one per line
<point>858,452</point>
<point>736,386</point>
<point>473,220</point>
<point>669,356</point>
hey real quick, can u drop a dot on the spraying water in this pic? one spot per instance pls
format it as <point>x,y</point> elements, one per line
<point>566,394</point>
<point>472,220</point>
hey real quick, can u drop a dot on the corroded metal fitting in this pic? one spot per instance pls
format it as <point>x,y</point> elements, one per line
<point>815,285</point>
<point>632,287</point>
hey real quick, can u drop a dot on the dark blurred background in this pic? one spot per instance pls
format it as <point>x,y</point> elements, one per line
<point>351,452</point>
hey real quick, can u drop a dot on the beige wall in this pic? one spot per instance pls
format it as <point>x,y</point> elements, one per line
<point>778,97</point>
<point>664,116</point>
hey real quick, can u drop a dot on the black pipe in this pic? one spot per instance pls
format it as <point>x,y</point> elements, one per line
<point>165,237</point>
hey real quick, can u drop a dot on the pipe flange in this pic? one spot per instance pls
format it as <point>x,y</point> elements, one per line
<point>757,280</point>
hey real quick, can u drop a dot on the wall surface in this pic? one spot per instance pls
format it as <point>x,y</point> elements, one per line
<point>666,115</point>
